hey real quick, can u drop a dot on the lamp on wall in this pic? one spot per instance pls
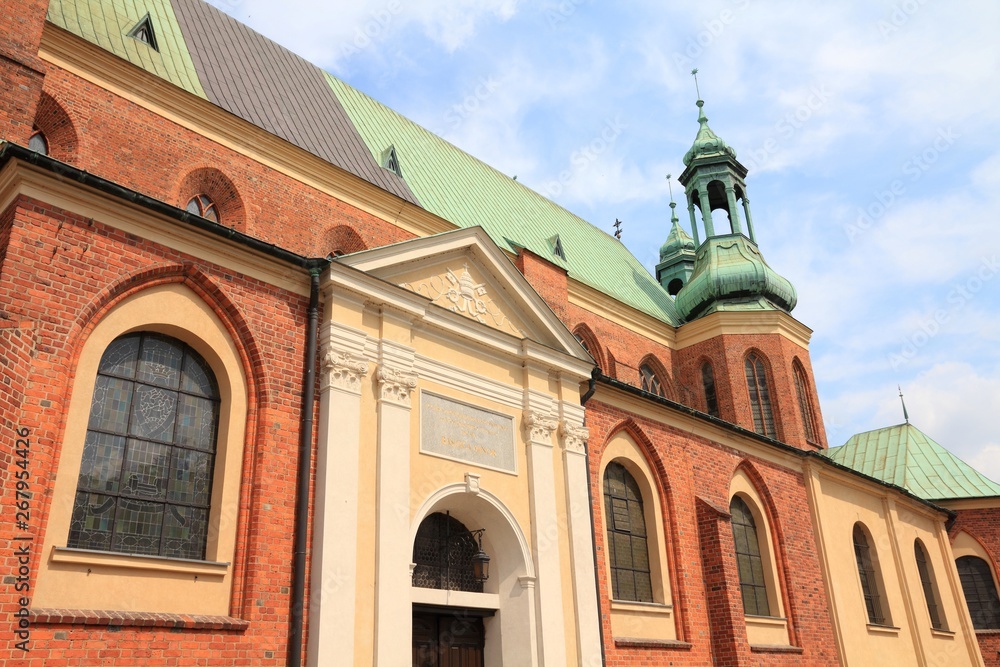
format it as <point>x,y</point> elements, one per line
<point>480,559</point>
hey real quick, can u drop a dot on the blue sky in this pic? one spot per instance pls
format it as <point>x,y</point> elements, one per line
<point>870,131</point>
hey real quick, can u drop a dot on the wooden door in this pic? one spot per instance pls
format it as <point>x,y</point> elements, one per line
<point>447,640</point>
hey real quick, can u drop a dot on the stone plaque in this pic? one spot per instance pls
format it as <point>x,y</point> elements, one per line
<point>462,432</point>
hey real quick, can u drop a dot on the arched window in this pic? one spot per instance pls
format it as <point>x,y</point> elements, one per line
<point>583,341</point>
<point>870,583</point>
<point>628,550</point>
<point>805,404</point>
<point>760,397</point>
<point>202,205</point>
<point>928,584</point>
<point>650,381</point>
<point>145,481</point>
<point>980,592</point>
<point>442,552</point>
<point>38,142</point>
<point>708,383</point>
<point>751,567</point>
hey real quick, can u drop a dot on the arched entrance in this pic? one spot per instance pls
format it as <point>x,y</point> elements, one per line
<point>458,619</point>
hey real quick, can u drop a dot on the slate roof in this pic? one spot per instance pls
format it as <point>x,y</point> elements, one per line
<point>213,56</point>
<point>905,456</point>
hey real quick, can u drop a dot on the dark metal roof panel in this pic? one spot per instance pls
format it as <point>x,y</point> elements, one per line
<point>265,84</point>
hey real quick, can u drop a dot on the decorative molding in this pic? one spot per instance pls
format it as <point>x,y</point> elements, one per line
<point>342,370</point>
<point>527,582</point>
<point>472,483</point>
<point>461,294</point>
<point>395,386</point>
<point>539,427</point>
<point>574,438</point>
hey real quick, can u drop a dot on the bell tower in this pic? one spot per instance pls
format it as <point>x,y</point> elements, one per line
<point>729,271</point>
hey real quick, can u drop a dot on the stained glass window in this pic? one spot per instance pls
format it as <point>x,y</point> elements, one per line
<point>628,549</point>
<point>869,577</point>
<point>760,397</point>
<point>748,559</point>
<point>146,474</point>
<point>980,592</point>
<point>650,382</point>
<point>927,582</point>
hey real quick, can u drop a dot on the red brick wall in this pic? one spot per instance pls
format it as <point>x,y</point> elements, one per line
<point>61,274</point>
<point>984,525</point>
<point>696,473</point>
<point>21,71</point>
<point>127,144</point>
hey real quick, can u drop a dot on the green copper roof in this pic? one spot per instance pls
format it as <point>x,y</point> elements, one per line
<point>107,23</point>
<point>731,274</point>
<point>706,143</point>
<point>904,456</point>
<point>459,188</point>
<point>677,240</point>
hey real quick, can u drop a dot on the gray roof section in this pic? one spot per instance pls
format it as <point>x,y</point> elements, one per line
<point>267,85</point>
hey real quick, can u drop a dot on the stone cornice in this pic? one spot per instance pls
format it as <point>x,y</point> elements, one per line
<point>736,323</point>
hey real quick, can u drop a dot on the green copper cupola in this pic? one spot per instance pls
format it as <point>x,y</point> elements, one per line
<point>729,272</point>
<point>676,255</point>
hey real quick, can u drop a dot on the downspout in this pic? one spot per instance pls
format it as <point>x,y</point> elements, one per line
<point>591,388</point>
<point>305,465</point>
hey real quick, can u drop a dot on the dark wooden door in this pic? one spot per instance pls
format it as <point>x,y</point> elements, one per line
<point>447,640</point>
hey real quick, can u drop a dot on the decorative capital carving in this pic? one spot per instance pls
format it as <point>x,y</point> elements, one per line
<point>539,427</point>
<point>342,370</point>
<point>395,385</point>
<point>574,438</point>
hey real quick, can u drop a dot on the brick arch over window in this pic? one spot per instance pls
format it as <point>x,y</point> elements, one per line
<point>343,240</point>
<point>588,339</point>
<point>651,364</point>
<point>212,183</point>
<point>56,125</point>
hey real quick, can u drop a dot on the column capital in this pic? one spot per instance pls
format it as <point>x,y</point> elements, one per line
<point>395,385</point>
<point>574,437</point>
<point>539,427</point>
<point>342,370</point>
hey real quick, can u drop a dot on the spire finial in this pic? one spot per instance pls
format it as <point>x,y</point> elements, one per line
<point>673,204</point>
<point>905,415</point>
<point>694,73</point>
<point>618,229</point>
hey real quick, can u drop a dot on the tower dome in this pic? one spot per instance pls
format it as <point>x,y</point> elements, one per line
<point>706,143</point>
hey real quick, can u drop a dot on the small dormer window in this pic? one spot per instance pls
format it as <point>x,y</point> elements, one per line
<point>557,247</point>
<point>391,161</point>
<point>143,32</point>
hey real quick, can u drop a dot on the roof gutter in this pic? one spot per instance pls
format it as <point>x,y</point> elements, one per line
<point>314,265</point>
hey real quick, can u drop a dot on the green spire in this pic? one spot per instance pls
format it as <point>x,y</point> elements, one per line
<point>706,143</point>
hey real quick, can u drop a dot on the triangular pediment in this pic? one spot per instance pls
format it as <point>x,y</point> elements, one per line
<point>465,273</point>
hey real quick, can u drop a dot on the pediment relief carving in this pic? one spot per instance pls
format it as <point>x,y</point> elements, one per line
<point>460,292</point>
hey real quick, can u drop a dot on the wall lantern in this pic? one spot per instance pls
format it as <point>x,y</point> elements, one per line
<point>480,559</point>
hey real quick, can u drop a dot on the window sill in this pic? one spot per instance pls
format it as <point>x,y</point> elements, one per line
<point>127,619</point>
<point>775,648</point>
<point>630,642</point>
<point>883,629</point>
<point>138,562</point>
<point>645,607</point>
<point>941,632</point>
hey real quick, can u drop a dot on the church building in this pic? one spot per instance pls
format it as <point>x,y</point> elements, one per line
<point>286,379</point>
